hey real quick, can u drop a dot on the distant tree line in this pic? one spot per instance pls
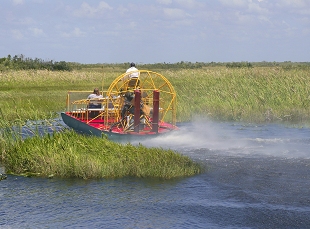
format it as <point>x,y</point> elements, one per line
<point>190,65</point>
<point>20,62</point>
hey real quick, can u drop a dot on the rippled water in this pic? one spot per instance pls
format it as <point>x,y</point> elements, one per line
<point>257,177</point>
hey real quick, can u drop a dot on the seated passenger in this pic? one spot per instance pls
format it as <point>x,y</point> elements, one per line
<point>93,103</point>
<point>133,77</point>
<point>128,104</point>
<point>134,70</point>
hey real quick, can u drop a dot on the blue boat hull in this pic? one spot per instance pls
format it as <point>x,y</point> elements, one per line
<point>82,127</point>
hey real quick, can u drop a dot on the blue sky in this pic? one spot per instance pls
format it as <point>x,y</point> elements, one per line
<point>156,31</point>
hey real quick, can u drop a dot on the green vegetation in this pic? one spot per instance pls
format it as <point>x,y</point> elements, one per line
<point>36,95</point>
<point>256,94</point>
<point>39,95</point>
<point>22,63</point>
<point>68,154</point>
<point>245,92</point>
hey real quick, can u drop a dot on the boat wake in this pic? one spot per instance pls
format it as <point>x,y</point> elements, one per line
<point>236,140</point>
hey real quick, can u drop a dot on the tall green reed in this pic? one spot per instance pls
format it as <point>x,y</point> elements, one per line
<point>29,149</point>
<point>68,154</point>
<point>255,94</point>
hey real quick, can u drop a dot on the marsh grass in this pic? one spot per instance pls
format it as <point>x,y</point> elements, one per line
<point>245,94</point>
<point>36,95</point>
<point>251,95</point>
<point>39,95</point>
<point>259,94</point>
<point>68,154</point>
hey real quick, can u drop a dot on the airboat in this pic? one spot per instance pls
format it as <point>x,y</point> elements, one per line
<point>144,106</point>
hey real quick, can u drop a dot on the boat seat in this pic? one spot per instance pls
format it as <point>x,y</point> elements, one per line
<point>133,83</point>
<point>96,109</point>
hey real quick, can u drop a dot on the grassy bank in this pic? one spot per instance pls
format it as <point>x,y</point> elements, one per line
<point>246,94</point>
<point>39,95</point>
<point>256,94</point>
<point>68,154</point>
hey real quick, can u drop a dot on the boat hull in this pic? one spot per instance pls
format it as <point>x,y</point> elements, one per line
<point>85,128</point>
<point>80,126</point>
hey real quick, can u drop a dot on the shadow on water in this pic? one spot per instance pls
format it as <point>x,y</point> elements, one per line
<point>40,127</point>
<point>33,128</point>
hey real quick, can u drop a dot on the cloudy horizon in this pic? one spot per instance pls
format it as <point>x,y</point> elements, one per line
<point>156,31</point>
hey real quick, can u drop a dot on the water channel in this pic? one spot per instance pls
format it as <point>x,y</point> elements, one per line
<point>258,176</point>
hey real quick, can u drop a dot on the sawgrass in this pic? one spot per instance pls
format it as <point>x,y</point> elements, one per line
<point>259,94</point>
<point>39,95</point>
<point>35,95</point>
<point>256,94</point>
<point>246,94</point>
<point>68,154</point>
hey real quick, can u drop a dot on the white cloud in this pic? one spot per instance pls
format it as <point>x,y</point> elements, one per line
<point>223,23</point>
<point>18,35</point>
<point>306,31</point>
<point>18,2</point>
<point>305,11</point>
<point>189,3</point>
<point>238,3</point>
<point>164,2</point>
<point>27,21</point>
<point>249,5</point>
<point>37,32</point>
<point>88,11</point>
<point>74,33</point>
<point>244,18</point>
<point>77,32</point>
<point>293,3</point>
<point>301,7</point>
<point>255,8</point>
<point>132,24</point>
<point>122,10</point>
<point>264,19</point>
<point>174,13</point>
